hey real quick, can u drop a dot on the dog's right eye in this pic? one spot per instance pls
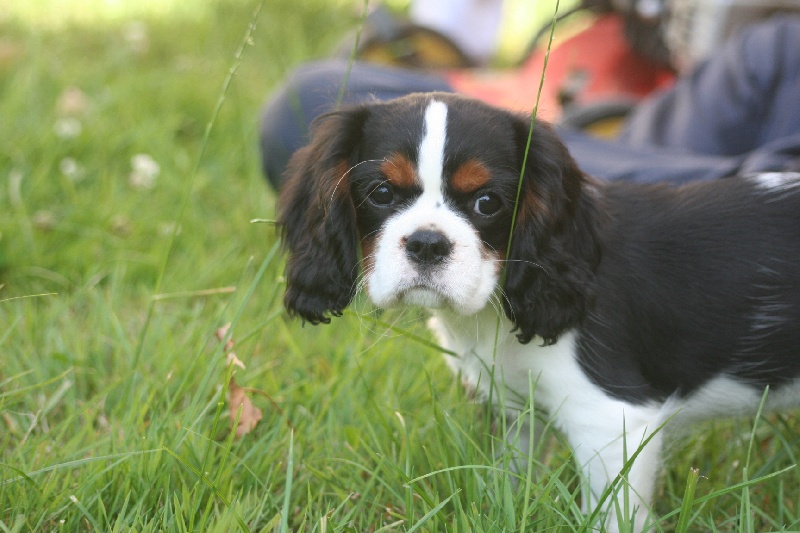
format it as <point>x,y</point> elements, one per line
<point>487,205</point>
<point>382,196</point>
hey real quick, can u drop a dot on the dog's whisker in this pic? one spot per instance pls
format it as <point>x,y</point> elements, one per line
<point>501,297</point>
<point>370,234</point>
<point>494,301</point>
<point>533,263</point>
<point>348,171</point>
<point>370,192</point>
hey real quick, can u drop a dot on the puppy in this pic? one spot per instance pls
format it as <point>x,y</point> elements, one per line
<point>630,305</point>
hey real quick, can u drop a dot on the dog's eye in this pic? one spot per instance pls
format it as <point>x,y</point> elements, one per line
<point>382,195</point>
<point>487,205</point>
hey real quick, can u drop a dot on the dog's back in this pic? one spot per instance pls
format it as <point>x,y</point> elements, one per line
<point>697,283</point>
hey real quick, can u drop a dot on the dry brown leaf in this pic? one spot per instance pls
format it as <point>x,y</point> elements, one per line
<point>222,333</point>
<point>250,414</point>
<point>232,359</point>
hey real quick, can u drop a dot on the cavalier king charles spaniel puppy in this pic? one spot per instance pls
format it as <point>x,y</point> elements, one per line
<point>626,305</point>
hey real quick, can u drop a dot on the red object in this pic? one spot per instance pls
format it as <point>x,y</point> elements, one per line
<point>595,65</point>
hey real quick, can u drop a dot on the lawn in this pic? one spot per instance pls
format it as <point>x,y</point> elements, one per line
<point>130,200</point>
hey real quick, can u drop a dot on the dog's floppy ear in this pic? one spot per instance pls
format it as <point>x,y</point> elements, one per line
<point>555,247</point>
<point>318,221</point>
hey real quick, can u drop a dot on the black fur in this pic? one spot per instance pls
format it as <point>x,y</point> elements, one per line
<point>318,221</point>
<point>696,282</point>
<point>555,250</point>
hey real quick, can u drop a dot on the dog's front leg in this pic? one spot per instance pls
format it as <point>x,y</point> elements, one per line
<point>603,447</point>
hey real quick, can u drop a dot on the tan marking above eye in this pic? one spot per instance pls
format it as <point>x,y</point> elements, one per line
<point>399,171</point>
<point>470,176</point>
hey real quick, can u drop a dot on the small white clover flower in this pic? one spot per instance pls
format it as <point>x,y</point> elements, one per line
<point>67,128</point>
<point>166,229</point>
<point>71,169</point>
<point>144,171</point>
<point>136,37</point>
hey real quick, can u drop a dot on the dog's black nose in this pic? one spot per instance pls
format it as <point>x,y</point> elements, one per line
<point>427,247</point>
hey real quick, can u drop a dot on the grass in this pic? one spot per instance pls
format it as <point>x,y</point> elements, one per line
<point>113,422</point>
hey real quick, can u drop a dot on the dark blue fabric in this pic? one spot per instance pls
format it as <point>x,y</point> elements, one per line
<point>739,112</point>
<point>313,89</point>
<point>613,160</point>
<point>746,96</point>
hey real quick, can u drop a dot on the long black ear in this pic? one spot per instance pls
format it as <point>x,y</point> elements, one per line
<point>555,247</point>
<point>317,219</point>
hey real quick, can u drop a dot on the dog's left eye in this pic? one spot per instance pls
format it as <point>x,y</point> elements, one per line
<point>487,205</point>
<point>382,196</point>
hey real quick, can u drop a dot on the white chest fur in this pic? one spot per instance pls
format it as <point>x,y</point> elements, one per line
<point>488,348</point>
<point>593,422</point>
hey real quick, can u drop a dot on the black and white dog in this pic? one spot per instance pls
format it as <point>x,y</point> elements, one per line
<point>624,303</point>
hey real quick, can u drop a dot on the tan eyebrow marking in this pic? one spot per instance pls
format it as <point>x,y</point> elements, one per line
<point>399,171</point>
<point>470,176</point>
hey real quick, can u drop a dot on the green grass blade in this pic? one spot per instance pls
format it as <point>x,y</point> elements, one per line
<point>430,514</point>
<point>210,484</point>
<point>351,61</point>
<point>688,499</point>
<point>287,490</point>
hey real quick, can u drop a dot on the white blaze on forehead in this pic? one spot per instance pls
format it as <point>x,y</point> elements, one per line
<point>431,149</point>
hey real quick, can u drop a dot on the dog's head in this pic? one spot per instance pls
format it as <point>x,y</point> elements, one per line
<point>418,196</point>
